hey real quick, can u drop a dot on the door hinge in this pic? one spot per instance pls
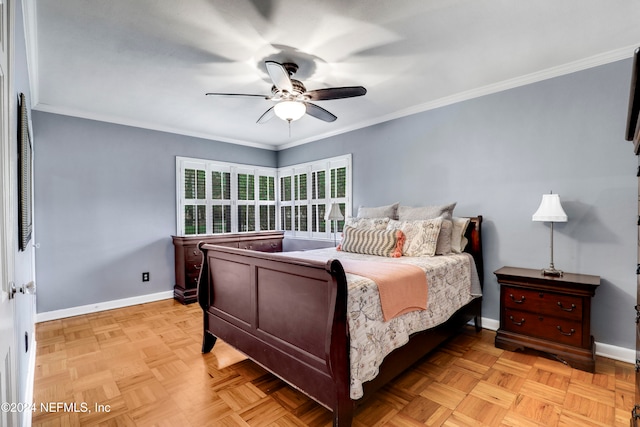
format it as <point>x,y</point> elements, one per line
<point>637,314</point>
<point>637,365</point>
<point>638,269</point>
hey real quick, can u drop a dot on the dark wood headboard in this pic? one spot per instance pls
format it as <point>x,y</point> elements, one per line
<point>474,247</point>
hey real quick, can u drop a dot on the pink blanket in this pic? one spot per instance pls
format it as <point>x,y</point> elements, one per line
<point>402,287</point>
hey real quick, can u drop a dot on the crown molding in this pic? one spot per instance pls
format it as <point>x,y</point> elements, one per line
<point>572,67</point>
<point>549,73</point>
<point>46,108</point>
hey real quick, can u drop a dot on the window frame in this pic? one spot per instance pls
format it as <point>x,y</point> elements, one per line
<point>296,229</point>
<point>234,169</point>
<point>309,168</point>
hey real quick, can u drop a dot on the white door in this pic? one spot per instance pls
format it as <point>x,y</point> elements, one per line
<point>8,238</point>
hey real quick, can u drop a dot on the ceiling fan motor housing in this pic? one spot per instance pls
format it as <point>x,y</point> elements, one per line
<point>298,88</point>
<point>290,67</point>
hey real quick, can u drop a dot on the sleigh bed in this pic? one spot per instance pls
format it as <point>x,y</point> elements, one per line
<point>293,314</point>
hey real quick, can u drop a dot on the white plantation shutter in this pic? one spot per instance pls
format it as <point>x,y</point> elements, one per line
<point>266,200</point>
<point>319,201</point>
<point>340,187</point>
<point>286,200</point>
<point>221,199</point>
<point>193,206</point>
<point>217,197</point>
<point>306,193</point>
<point>245,199</point>
<point>300,200</point>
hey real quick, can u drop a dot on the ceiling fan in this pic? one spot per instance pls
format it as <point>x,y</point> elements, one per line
<point>292,98</point>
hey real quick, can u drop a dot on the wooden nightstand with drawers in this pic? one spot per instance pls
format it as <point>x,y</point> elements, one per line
<point>547,313</point>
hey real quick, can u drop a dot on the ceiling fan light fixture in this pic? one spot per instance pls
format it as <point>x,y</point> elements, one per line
<point>290,110</point>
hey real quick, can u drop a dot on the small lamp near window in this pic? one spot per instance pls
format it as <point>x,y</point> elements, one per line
<point>335,215</point>
<point>550,210</point>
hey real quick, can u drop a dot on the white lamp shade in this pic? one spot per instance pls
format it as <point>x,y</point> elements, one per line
<point>550,209</point>
<point>334,214</point>
<point>290,110</point>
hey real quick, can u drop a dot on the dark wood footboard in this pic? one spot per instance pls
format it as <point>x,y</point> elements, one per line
<point>290,316</point>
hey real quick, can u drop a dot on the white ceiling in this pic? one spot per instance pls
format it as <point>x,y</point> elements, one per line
<point>149,63</point>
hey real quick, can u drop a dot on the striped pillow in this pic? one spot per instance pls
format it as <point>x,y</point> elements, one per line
<point>368,241</point>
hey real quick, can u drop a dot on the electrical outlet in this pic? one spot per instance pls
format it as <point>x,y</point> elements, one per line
<point>145,276</point>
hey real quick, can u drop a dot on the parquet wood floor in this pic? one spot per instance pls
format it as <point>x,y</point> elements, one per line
<point>142,366</point>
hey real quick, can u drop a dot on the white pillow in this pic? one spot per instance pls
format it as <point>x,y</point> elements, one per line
<point>372,223</point>
<point>421,235</point>
<point>389,211</point>
<point>458,241</point>
<point>408,213</point>
<point>443,247</point>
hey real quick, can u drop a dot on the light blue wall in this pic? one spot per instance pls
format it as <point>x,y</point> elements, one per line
<point>496,155</point>
<point>105,194</point>
<point>106,207</point>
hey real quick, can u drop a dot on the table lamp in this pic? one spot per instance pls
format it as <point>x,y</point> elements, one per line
<point>335,215</point>
<point>550,210</point>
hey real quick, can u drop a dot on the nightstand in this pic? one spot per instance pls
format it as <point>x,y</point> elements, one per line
<point>547,313</point>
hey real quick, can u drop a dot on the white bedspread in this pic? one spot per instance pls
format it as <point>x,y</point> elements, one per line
<point>452,280</point>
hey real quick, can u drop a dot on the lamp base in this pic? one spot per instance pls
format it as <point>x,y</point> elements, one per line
<point>551,272</point>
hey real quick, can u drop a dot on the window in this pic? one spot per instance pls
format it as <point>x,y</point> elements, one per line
<point>318,200</point>
<point>194,196</point>
<point>267,202</point>
<point>221,200</point>
<point>307,192</point>
<point>339,190</point>
<point>216,197</point>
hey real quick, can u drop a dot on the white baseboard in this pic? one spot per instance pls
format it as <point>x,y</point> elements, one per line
<point>101,306</point>
<point>604,350</point>
<point>490,324</point>
<point>616,353</point>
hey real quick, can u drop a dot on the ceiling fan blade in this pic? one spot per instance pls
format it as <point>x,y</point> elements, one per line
<point>237,94</point>
<point>319,112</point>
<point>335,93</point>
<point>266,116</point>
<point>279,75</point>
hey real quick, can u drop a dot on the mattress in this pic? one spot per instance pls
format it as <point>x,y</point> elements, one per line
<point>452,280</point>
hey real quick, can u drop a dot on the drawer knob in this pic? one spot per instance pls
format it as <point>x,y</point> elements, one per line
<point>197,267</point>
<point>520,323</point>
<point>517,301</point>
<point>571,332</point>
<point>573,307</point>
